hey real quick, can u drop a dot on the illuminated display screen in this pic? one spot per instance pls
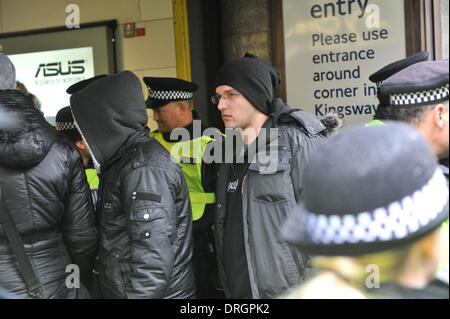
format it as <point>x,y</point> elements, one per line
<point>48,74</point>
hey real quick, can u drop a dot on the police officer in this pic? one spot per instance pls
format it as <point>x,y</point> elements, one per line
<point>385,72</point>
<point>171,100</point>
<point>65,125</point>
<point>379,212</point>
<point>419,96</point>
<point>411,115</point>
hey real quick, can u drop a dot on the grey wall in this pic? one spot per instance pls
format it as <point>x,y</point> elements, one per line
<point>206,56</point>
<point>246,27</point>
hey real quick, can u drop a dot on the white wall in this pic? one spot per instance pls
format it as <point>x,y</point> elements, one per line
<point>149,55</point>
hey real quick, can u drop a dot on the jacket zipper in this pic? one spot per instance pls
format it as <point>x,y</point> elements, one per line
<point>242,187</point>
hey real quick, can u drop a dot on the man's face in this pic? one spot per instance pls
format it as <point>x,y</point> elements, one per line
<point>84,152</point>
<point>237,112</point>
<point>167,117</point>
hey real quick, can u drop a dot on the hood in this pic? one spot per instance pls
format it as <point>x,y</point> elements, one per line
<point>25,136</point>
<point>282,113</point>
<point>108,112</point>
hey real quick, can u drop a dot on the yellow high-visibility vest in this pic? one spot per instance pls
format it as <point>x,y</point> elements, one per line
<point>93,181</point>
<point>189,155</point>
<point>374,123</point>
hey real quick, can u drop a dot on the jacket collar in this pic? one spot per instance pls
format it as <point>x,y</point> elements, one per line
<point>127,146</point>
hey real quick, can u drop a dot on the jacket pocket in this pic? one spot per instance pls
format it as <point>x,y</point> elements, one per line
<point>271,184</point>
<point>143,219</point>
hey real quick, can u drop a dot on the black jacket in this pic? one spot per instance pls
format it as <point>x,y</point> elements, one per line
<point>269,194</point>
<point>45,188</point>
<point>143,206</point>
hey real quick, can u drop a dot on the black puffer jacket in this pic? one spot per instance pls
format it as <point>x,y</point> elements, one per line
<point>45,188</point>
<point>143,206</point>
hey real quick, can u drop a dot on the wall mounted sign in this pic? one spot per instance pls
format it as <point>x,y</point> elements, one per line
<point>47,74</point>
<point>332,47</point>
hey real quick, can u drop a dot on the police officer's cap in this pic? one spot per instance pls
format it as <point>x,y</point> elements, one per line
<point>162,91</point>
<point>397,66</point>
<point>386,194</point>
<point>64,120</point>
<point>423,83</point>
<point>82,84</point>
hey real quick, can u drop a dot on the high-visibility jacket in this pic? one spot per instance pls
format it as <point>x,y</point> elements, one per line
<point>93,181</point>
<point>374,123</point>
<point>189,155</point>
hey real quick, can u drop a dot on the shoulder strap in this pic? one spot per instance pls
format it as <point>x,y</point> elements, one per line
<point>15,240</point>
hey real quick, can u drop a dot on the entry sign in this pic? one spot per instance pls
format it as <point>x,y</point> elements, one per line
<point>332,47</point>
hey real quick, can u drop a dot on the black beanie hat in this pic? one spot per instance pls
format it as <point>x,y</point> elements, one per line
<point>253,78</point>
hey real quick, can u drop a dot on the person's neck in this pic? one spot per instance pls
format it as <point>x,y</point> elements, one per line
<point>416,271</point>
<point>413,279</point>
<point>185,122</point>
<point>85,162</point>
<point>251,132</point>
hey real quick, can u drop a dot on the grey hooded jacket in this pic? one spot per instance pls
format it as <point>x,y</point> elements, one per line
<point>143,205</point>
<point>268,196</point>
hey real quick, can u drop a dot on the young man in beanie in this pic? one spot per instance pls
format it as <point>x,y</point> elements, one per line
<point>371,213</point>
<point>171,100</point>
<point>252,199</point>
<point>143,206</point>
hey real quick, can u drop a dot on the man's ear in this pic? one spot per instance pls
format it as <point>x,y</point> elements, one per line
<point>430,244</point>
<point>439,114</point>
<point>80,144</point>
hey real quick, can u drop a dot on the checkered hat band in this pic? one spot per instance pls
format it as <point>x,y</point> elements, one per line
<point>170,95</point>
<point>65,126</point>
<point>396,221</point>
<point>422,97</point>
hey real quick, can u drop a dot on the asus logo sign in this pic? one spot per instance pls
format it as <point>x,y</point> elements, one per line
<point>55,68</point>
